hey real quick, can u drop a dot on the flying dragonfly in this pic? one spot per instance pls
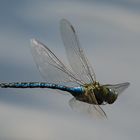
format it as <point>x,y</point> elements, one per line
<point>79,79</point>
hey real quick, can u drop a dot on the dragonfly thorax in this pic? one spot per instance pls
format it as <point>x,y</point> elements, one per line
<point>100,94</point>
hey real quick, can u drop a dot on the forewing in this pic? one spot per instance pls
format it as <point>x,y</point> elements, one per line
<point>77,59</point>
<point>51,68</point>
<point>119,88</point>
<point>90,109</point>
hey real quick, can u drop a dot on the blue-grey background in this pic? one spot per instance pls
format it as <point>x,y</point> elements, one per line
<point>109,31</point>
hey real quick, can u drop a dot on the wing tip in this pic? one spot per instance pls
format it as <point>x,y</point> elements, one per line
<point>63,20</point>
<point>33,41</point>
<point>127,84</point>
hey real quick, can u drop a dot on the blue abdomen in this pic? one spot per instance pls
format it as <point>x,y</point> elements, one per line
<point>73,90</point>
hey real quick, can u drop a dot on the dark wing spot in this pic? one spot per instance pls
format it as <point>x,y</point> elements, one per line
<point>72,28</point>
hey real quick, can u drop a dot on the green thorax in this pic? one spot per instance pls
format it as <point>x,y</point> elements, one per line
<point>100,94</point>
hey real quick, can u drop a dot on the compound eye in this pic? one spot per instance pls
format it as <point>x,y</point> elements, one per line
<point>110,90</point>
<point>113,91</point>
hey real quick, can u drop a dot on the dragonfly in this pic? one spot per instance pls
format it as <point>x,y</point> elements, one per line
<point>77,79</point>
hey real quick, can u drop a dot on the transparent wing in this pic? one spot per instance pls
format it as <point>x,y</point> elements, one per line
<point>78,61</point>
<point>119,88</point>
<point>51,68</point>
<point>90,109</point>
<point>97,107</point>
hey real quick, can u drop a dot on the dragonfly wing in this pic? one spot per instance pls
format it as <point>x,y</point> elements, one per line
<point>90,109</point>
<point>51,68</point>
<point>119,88</point>
<point>77,59</point>
<point>97,107</point>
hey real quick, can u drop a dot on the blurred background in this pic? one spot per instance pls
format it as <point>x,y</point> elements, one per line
<point>109,32</point>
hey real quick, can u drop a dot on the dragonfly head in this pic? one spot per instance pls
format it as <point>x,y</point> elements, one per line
<point>110,95</point>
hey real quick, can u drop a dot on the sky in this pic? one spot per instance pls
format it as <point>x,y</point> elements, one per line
<point>109,32</point>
